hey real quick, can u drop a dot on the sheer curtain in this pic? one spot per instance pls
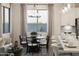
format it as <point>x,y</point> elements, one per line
<point>50,19</point>
<point>23,14</point>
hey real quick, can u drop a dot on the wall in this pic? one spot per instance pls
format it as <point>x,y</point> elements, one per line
<point>69,16</point>
<point>77,12</point>
<point>6,4</point>
<point>16,21</point>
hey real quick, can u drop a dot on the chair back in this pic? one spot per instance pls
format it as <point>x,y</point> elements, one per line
<point>33,33</point>
<point>47,44</point>
<point>47,39</point>
<point>34,40</point>
<point>33,36</point>
<point>22,39</point>
<point>2,50</point>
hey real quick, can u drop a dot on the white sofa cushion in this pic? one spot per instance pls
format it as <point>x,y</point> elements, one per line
<point>6,38</point>
<point>1,42</point>
<point>5,42</point>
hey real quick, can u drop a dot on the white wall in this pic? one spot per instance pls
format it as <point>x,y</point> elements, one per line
<point>69,17</point>
<point>76,12</point>
<point>6,4</point>
<point>4,35</point>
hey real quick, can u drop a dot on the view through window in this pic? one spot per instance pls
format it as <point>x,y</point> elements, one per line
<point>37,20</point>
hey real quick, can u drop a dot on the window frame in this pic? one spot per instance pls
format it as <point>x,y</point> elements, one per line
<point>4,19</point>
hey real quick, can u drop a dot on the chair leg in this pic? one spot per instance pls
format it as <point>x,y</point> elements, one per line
<point>26,50</point>
<point>41,51</point>
<point>47,48</point>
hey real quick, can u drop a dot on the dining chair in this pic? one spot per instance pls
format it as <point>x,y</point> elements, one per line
<point>4,53</point>
<point>45,45</point>
<point>33,45</point>
<point>56,51</point>
<point>23,40</point>
<point>33,33</point>
<point>33,48</point>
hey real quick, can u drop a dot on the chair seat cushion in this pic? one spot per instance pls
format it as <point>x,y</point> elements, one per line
<point>23,42</point>
<point>32,44</point>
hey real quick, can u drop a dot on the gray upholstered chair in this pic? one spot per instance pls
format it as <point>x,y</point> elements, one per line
<point>4,53</point>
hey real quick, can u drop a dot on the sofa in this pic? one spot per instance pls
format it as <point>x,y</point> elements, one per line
<point>5,42</point>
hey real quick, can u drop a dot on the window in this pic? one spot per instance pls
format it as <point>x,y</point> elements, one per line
<point>37,20</point>
<point>37,23</point>
<point>6,20</point>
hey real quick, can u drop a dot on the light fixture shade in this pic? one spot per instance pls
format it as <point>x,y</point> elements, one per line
<point>63,11</point>
<point>68,5</point>
<point>66,9</point>
<point>67,28</point>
